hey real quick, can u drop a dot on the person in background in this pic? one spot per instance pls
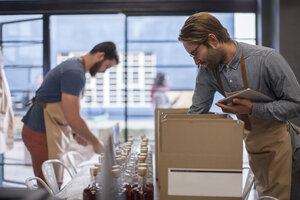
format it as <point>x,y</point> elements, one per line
<point>55,109</point>
<point>159,92</point>
<point>228,66</point>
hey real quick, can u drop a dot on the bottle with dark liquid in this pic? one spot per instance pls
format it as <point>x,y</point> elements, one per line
<point>92,190</point>
<point>149,175</point>
<point>142,191</point>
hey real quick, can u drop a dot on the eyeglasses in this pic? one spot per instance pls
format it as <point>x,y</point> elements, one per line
<point>194,52</point>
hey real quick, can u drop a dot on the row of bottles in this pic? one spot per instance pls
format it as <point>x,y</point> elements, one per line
<point>131,176</point>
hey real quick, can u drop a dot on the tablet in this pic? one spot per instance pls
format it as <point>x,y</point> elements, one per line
<point>247,94</point>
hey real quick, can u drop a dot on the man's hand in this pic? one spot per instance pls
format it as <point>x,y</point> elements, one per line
<point>240,106</point>
<point>80,140</point>
<point>98,147</point>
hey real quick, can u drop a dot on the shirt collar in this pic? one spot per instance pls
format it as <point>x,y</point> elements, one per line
<point>234,63</point>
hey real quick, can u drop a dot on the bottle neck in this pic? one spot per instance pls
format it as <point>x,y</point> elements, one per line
<point>142,181</point>
<point>93,179</point>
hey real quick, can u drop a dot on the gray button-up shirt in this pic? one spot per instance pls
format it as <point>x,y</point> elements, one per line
<point>267,72</point>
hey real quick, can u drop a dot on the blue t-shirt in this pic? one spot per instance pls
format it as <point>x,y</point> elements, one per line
<point>67,77</point>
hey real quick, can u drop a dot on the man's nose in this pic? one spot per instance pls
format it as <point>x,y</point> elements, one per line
<point>196,60</point>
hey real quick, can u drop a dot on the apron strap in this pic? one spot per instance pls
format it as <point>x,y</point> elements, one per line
<point>219,80</point>
<point>243,70</point>
<point>33,100</point>
<point>243,117</point>
<point>291,125</point>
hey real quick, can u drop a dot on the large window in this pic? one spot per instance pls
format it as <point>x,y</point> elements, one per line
<point>123,93</point>
<point>22,52</point>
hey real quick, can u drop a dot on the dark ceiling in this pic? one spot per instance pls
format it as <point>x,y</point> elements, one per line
<point>129,7</point>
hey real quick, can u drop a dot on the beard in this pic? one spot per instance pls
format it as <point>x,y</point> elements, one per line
<point>95,68</point>
<point>214,58</point>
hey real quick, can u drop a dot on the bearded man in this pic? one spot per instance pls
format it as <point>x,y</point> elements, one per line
<point>55,110</point>
<point>228,66</point>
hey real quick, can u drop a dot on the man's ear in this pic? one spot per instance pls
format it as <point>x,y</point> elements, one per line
<point>100,56</point>
<point>213,40</point>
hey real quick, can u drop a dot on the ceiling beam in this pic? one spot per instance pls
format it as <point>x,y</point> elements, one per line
<point>128,7</point>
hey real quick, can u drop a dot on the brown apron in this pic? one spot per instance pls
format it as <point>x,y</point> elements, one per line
<point>58,133</point>
<point>269,150</point>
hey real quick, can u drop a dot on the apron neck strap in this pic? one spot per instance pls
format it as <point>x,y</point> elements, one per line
<point>243,70</point>
<point>219,80</point>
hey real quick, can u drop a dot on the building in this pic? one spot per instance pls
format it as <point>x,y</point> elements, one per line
<point>108,89</point>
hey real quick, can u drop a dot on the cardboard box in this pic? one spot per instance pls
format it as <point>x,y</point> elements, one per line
<point>178,114</point>
<point>158,115</point>
<point>200,157</point>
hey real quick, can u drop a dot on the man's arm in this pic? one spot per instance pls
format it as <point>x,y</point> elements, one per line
<point>285,88</point>
<point>203,94</point>
<point>71,110</point>
<point>282,84</point>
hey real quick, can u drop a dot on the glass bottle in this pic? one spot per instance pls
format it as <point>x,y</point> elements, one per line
<point>118,191</point>
<point>92,190</point>
<point>142,191</point>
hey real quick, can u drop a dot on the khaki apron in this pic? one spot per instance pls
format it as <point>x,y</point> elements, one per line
<point>269,150</point>
<point>58,133</point>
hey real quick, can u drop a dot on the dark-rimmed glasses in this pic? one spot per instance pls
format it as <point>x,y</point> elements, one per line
<point>194,52</point>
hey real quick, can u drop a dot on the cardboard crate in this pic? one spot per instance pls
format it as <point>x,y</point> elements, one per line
<point>158,114</point>
<point>161,113</point>
<point>200,157</point>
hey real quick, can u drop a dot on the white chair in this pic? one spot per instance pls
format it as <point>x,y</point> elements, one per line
<point>248,184</point>
<point>267,198</point>
<point>74,158</point>
<point>31,185</point>
<point>49,173</point>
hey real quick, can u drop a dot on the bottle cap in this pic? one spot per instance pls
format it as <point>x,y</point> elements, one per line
<point>141,158</point>
<point>124,158</point>
<point>116,173</point>
<point>143,165</point>
<point>115,167</point>
<point>128,144</point>
<point>118,152</point>
<point>144,150</point>
<point>93,171</point>
<point>99,165</point>
<point>143,154</point>
<point>142,171</point>
<point>119,160</point>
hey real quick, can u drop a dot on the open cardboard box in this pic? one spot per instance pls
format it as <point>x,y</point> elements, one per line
<point>199,156</point>
<point>158,114</point>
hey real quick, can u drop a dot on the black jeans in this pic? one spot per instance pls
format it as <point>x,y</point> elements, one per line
<point>295,189</point>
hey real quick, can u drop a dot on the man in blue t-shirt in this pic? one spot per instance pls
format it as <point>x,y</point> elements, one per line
<point>55,109</point>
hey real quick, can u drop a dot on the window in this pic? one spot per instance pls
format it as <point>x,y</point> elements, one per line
<point>152,48</point>
<point>22,52</point>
